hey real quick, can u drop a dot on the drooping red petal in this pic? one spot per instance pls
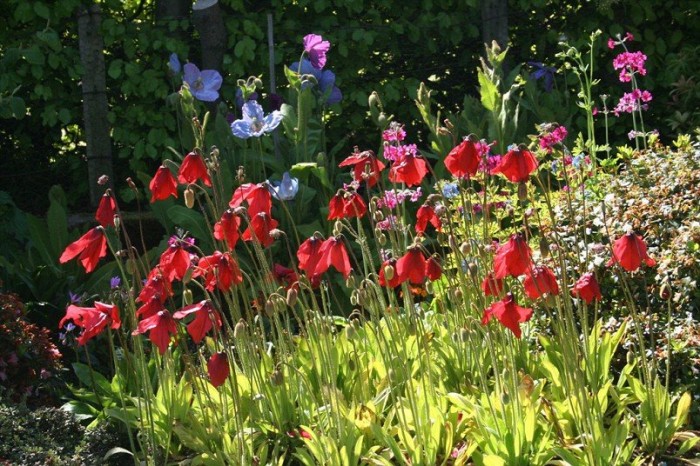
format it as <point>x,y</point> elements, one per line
<point>353,205</point>
<point>333,253</point>
<point>93,320</point>
<point>206,318</point>
<point>335,207</point>
<point>540,280</point>
<point>517,165</point>
<point>508,313</point>
<point>433,269</point>
<point>394,281</point>
<point>257,196</point>
<point>156,286</point>
<point>630,251</point>
<point>106,210</point>
<point>160,326</point>
<point>309,254</point>
<point>174,263</point>
<point>426,215</point>
<point>226,229</point>
<point>512,258</point>
<point>491,285</point>
<point>409,170</point>
<point>366,167</point>
<point>163,185</point>
<point>218,368</point>
<point>89,248</point>
<point>463,160</point>
<point>587,288</point>
<point>259,229</point>
<point>411,266</point>
<point>192,169</point>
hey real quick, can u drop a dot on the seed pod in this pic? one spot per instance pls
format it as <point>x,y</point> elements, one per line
<point>187,296</point>
<point>291,297</point>
<point>189,198</point>
<point>240,329</point>
<point>130,266</point>
<point>388,272</point>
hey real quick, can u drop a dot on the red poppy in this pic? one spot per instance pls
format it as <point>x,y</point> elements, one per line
<point>491,285</point>
<point>389,266</point>
<point>508,313</point>
<point>409,169</point>
<point>193,169</point>
<point>174,261</point>
<point>93,320</point>
<point>152,306</point>
<point>411,266</point>
<point>463,160</point>
<point>517,165</point>
<point>257,196</point>
<point>333,252</point>
<point>226,229</point>
<point>309,253</point>
<point>587,288</point>
<point>540,280</point>
<point>206,318</point>
<point>218,368</point>
<point>155,286</point>
<point>89,248</point>
<point>629,251</point>
<point>366,167</point>
<point>426,214</point>
<point>353,205</point>
<point>512,258</point>
<point>160,325</point>
<point>285,275</point>
<point>106,210</point>
<point>163,185</point>
<point>259,229</point>
<point>336,206</point>
<point>219,271</point>
<point>433,269</point>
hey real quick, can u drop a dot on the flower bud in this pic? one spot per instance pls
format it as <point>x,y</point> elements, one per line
<point>337,228</point>
<point>442,131</point>
<point>452,242</point>
<point>473,270</point>
<point>269,307</point>
<point>240,174</point>
<point>465,248</point>
<point>381,239</point>
<point>292,297</point>
<point>117,221</point>
<point>103,180</point>
<point>189,198</point>
<point>544,247</point>
<point>240,329</point>
<point>378,216</point>
<point>350,282</point>
<point>187,296</point>
<point>277,378</point>
<point>665,292</point>
<point>388,272</point>
<point>276,233</point>
<point>350,332</point>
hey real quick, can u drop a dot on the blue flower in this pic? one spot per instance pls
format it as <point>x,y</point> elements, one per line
<point>240,100</point>
<point>543,72</point>
<point>114,282</point>
<point>205,84</point>
<point>254,122</point>
<point>174,64</point>
<point>284,190</point>
<point>576,161</point>
<point>325,79</point>
<point>450,190</point>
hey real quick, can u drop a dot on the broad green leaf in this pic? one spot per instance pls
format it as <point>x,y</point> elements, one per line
<point>489,92</point>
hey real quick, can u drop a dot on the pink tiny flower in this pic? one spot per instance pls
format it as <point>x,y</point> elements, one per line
<point>611,43</point>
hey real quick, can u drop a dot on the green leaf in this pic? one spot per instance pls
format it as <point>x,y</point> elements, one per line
<point>115,451</point>
<point>115,69</point>
<point>41,10</point>
<point>18,107</point>
<point>33,55</point>
<point>91,379</point>
<point>489,92</point>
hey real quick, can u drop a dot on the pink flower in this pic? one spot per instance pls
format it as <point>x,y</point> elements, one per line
<point>611,43</point>
<point>317,48</point>
<point>552,138</point>
<point>630,63</point>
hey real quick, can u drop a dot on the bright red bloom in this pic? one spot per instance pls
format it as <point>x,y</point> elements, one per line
<point>219,271</point>
<point>517,165</point>
<point>89,248</point>
<point>160,325</point>
<point>512,258</point>
<point>409,169</point>
<point>491,285</point>
<point>206,317</point>
<point>155,286</point>
<point>394,281</point>
<point>336,207</point>
<point>540,280</point>
<point>226,229</point>
<point>433,269</point>
<point>333,252</point>
<point>106,210</point>
<point>508,313</point>
<point>629,251</point>
<point>174,262</point>
<point>193,169</point>
<point>218,368</point>
<point>163,185</point>
<point>463,160</point>
<point>259,229</point>
<point>152,306</point>
<point>587,288</point>
<point>309,254</point>
<point>411,266</point>
<point>257,196</point>
<point>285,275</point>
<point>93,320</point>
<point>426,214</point>
<point>347,204</point>
<point>366,167</point>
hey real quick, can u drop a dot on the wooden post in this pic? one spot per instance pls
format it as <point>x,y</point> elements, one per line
<point>209,21</point>
<point>494,22</point>
<point>95,109</point>
<point>273,84</point>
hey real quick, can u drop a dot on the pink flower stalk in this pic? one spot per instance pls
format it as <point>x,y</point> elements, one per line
<point>630,63</point>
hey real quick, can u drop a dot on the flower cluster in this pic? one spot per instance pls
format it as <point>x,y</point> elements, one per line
<point>550,137</point>
<point>391,198</point>
<point>630,63</point>
<point>632,101</point>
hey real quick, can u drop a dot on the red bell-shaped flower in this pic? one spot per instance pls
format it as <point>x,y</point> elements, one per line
<point>206,318</point>
<point>587,288</point>
<point>160,326</point>
<point>226,229</point>
<point>508,313</point>
<point>333,252</point>
<point>156,286</point>
<point>513,258</point>
<point>174,261</point>
<point>387,271</point>
<point>89,248</point>
<point>433,269</point>
<point>219,271</point>
<point>463,160</point>
<point>366,167</point>
<point>257,196</point>
<point>540,280</point>
<point>517,165</point>
<point>93,320</point>
<point>163,185</point>
<point>259,229</point>
<point>630,251</point>
<point>106,210</point>
<point>309,253</point>
<point>409,169</point>
<point>411,266</point>
<point>426,215</point>
<point>491,285</point>
<point>218,368</point>
<point>192,169</point>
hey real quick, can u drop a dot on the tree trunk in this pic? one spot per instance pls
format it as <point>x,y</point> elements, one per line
<point>209,21</point>
<point>95,109</point>
<point>494,22</point>
<point>168,11</point>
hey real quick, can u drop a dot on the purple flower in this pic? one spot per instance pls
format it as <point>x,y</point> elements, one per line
<point>546,73</point>
<point>254,122</point>
<point>205,84</point>
<point>316,47</point>
<point>325,80</point>
<point>114,282</point>
<point>174,64</point>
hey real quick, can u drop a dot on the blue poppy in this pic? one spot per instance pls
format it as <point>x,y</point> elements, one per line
<point>325,79</point>
<point>205,84</point>
<point>255,122</point>
<point>284,190</point>
<point>546,73</point>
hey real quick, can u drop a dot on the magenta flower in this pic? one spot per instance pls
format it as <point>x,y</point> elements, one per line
<point>630,63</point>
<point>316,47</point>
<point>630,101</point>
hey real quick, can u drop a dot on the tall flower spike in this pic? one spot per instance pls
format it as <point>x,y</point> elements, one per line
<point>630,251</point>
<point>89,248</point>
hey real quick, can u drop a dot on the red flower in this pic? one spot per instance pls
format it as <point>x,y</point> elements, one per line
<point>587,288</point>
<point>285,275</point>
<point>426,214</point>
<point>333,252</point>
<point>346,204</point>
<point>106,210</point>
<point>512,258</point>
<point>155,286</point>
<point>508,313</point>
<point>540,280</point>
<point>226,229</point>
<point>206,317</point>
<point>152,306</point>
<point>409,169</point>
<point>259,229</point>
<point>218,368</point>
<point>163,185</point>
<point>93,320</point>
<point>174,262</point>
<point>463,160</point>
<point>257,196</point>
<point>160,325</point>
<point>366,167</point>
<point>193,169</point>
<point>517,165</point>
<point>433,269</point>
<point>309,254</point>
<point>89,248</point>
<point>219,271</point>
<point>491,285</point>
<point>629,251</point>
<point>411,266</point>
